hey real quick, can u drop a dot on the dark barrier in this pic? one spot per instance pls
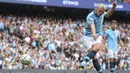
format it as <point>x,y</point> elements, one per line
<point>57,71</point>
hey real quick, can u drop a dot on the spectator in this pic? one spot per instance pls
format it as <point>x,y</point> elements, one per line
<point>52,43</point>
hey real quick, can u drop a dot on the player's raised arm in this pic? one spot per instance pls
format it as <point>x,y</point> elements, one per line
<point>110,12</point>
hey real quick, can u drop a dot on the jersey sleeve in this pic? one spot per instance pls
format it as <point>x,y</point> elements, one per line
<point>90,20</point>
<point>106,34</point>
<point>105,14</point>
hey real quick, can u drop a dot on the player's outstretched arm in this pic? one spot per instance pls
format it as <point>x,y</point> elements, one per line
<point>90,21</point>
<point>121,44</point>
<point>93,30</point>
<point>110,12</point>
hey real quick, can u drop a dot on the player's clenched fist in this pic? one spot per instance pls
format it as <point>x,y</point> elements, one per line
<point>114,4</point>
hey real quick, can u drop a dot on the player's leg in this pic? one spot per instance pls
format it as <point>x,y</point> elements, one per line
<point>89,56</point>
<point>95,48</point>
<point>111,55</point>
<point>88,42</point>
<point>97,65</point>
<point>91,44</point>
<point>112,65</point>
<point>113,61</point>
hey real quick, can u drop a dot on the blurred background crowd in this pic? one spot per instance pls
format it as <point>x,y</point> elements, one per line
<point>53,38</point>
<point>52,43</point>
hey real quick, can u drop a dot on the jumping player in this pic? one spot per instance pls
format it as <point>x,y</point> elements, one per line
<point>93,35</point>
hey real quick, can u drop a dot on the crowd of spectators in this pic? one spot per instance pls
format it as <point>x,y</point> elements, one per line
<point>52,43</point>
<point>124,1</point>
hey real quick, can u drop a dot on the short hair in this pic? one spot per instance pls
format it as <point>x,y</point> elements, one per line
<point>101,6</point>
<point>114,21</point>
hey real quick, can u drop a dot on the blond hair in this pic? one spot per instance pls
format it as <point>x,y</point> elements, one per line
<point>100,6</point>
